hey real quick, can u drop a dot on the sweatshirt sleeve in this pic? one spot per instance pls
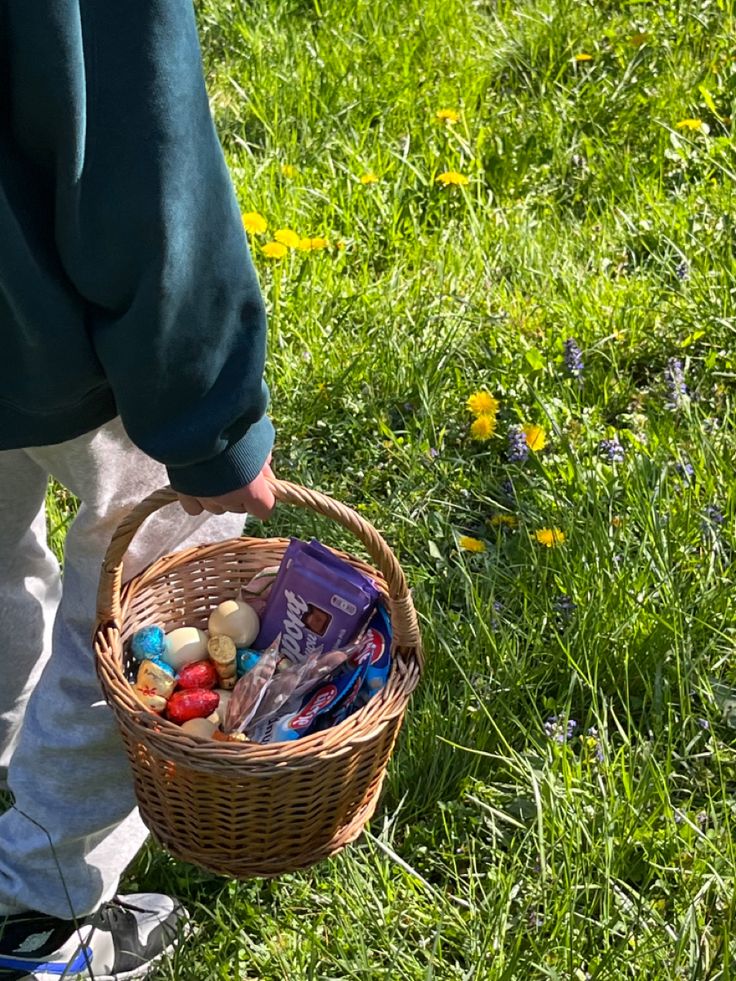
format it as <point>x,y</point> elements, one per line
<point>150,233</point>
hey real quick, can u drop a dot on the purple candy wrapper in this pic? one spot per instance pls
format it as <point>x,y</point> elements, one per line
<point>317,603</point>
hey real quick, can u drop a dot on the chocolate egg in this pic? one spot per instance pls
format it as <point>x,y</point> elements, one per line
<point>247,659</point>
<point>184,646</point>
<point>152,701</point>
<point>156,678</point>
<point>237,620</point>
<point>194,703</point>
<point>199,674</point>
<point>148,642</point>
<point>199,727</point>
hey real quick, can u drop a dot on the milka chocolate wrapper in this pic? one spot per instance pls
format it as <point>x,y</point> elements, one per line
<point>317,603</point>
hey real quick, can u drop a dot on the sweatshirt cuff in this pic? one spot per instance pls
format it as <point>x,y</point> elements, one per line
<point>232,469</point>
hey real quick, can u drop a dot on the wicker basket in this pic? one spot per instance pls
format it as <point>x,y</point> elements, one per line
<point>246,810</point>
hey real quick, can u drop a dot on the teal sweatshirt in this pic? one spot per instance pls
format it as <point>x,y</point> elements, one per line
<point>126,286</point>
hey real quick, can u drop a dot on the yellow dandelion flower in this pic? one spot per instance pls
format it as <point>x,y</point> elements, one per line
<point>288,170</point>
<point>504,520</point>
<point>254,223</point>
<point>452,177</point>
<point>274,250</point>
<point>312,244</point>
<point>536,438</point>
<point>448,116</point>
<point>483,404</point>
<point>369,178</point>
<point>583,56</point>
<point>287,237</point>
<point>691,124</point>
<point>471,544</point>
<point>483,428</point>
<point>550,537</point>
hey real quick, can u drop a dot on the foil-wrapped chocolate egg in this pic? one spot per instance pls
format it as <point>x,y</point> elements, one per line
<point>235,619</point>
<point>184,646</point>
<point>148,642</point>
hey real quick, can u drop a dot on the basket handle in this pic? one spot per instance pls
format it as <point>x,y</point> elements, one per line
<point>403,615</point>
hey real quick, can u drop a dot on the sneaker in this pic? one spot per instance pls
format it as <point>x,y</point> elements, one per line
<point>122,940</point>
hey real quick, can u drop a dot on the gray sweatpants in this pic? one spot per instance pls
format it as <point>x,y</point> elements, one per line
<point>73,827</point>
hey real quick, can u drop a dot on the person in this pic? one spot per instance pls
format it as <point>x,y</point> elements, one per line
<point>133,347</point>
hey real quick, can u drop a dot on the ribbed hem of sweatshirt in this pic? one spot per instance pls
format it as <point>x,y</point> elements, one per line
<point>237,466</point>
<point>21,430</point>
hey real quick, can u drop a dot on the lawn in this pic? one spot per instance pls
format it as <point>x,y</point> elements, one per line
<point>503,329</point>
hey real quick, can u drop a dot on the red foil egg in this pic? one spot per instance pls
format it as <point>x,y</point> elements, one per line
<point>200,674</point>
<point>192,703</point>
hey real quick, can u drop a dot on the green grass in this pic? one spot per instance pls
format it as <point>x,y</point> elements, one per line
<point>499,852</point>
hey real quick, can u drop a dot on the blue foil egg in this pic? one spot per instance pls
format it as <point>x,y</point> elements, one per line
<point>245,660</point>
<point>148,643</point>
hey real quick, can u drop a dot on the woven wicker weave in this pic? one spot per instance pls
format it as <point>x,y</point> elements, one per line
<point>246,809</point>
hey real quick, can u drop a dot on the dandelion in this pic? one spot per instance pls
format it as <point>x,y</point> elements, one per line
<point>274,250</point>
<point>368,178</point>
<point>518,448</point>
<point>471,544</point>
<point>674,377</point>
<point>287,237</point>
<point>583,56</point>
<point>692,124</point>
<point>483,404</point>
<point>560,731</point>
<point>312,244</point>
<point>254,223</point>
<point>483,427</point>
<point>288,170</point>
<point>550,537</point>
<point>536,438</point>
<point>573,357</point>
<point>611,450</point>
<point>503,521</point>
<point>452,177</point>
<point>447,116</point>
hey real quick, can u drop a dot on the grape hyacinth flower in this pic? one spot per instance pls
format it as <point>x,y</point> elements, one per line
<point>686,470</point>
<point>713,515</point>
<point>674,377</point>
<point>518,448</point>
<point>612,450</point>
<point>573,357</point>
<point>559,730</point>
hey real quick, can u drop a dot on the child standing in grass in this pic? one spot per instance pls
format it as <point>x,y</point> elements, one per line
<point>133,342</point>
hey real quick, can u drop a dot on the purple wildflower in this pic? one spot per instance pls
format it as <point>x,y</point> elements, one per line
<point>564,608</point>
<point>683,270</point>
<point>686,470</point>
<point>674,377</point>
<point>559,730</point>
<point>518,448</point>
<point>612,450</point>
<point>712,516</point>
<point>704,724</point>
<point>573,357</point>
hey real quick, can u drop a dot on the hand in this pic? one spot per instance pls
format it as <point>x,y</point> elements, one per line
<point>255,498</point>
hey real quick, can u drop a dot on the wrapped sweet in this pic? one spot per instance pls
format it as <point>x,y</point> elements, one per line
<point>155,681</point>
<point>192,703</point>
<point>184,646</point>
<point>234,619</point>
<point>148,642</point>
<point>223,653</point>
<point>199,674</point>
